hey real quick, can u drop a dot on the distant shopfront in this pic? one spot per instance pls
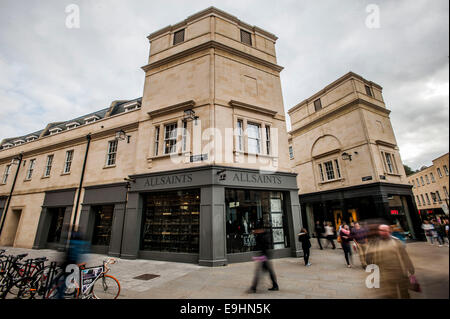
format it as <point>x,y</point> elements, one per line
<point>390,202</point>
<point>206,215</point>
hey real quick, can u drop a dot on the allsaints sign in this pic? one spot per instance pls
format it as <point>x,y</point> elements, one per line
<point>168,180</point>
<point>256,178</point>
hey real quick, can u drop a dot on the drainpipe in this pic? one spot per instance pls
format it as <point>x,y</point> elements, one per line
<point>10,193</point>
<point>72,226</point>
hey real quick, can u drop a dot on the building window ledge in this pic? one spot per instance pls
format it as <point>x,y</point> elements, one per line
<point>392,174</point>
<point>27,180</point>
<point>255,154</point>
<point>332,181</point>
<point>168,155</point>
<point>62,174</point>
<point>109,166</point>
<point>43,177</point>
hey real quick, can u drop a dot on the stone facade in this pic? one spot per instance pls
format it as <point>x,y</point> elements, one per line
<point>431,187</point>
<point>211,105</point>
<point>344,150</point>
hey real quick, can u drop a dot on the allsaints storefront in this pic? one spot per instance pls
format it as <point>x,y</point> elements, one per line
<point>206,215</point>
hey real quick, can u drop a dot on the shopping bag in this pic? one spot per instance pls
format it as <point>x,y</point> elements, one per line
<point>414,284</point>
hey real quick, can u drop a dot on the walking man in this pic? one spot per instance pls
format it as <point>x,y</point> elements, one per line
<point>319,231</point>
<point>360,238</point>
<point>329,234</point>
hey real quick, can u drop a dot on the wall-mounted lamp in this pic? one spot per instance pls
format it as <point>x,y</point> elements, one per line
<point>121,135</point>
<point>346,156</point>
<point>222,175</point>
<point>129,179</point>
<point>189,115</point>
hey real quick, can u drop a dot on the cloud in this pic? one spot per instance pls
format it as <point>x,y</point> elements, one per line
<point>51,73</point>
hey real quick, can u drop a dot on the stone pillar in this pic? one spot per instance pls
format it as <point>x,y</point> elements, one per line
<point>116,230</point>
<point>212,227</point>
<point>294,222</point>
<point>63,242</point>
<point>132,227</point>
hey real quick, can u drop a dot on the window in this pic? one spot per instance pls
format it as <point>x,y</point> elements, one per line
<point>329,170</point>
<point>102,225</point>
<point>368,90</point>
<point>240,130</point>
<point>426,178</point>
<point>170,138</point>
<point>321,173</point>
<point>428,199</point>
<point>156,140</point>
<point>178,37</point>
<point>338,170</point>
<point>389,164</point>
<point>48,166</point>
<point>433,197</point>
<point>438,196</point>
<point>268,139</point>
<point>245,210</point>
<point>246,37</point>
<point>439,172</point>
<point>446,170</point>
<point>112,153</point>
<point>445,192</point>
<point>418,199</point>
<point>72,125</point>
<point>55,130</point>
<point>6,173</point>
<point>184,136</point>
<point>421,179</point>
<point>423,199</point>
<point>30,169</point>
<point>317,105</point>
<point>291,152</point>
<point>432,178</point>
<point>418,183</point>
<point>171,221</point>
<point>253,131</point>
<point>68,161</point>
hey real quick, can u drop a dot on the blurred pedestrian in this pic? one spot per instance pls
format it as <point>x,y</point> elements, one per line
<point>319,232</point>
<point>395,267</point>
<point>303,237</point>
<point>427,228</point>
<point>438,232</point>
<point>446,229</point>
<point>329,234</point>
<point>346,240</point>
<point>359,236</point>
<point>263,258</point>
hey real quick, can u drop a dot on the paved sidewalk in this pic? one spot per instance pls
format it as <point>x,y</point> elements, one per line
<point>328,277</point>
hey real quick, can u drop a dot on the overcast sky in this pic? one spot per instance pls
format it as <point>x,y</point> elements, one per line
<point>49,72</point>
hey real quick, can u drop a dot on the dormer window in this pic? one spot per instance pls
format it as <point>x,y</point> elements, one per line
<point>91,119</point>
<point>18,142</point>
<point>55,130</point>
<point>132,106</point>
<point>31,138</point>
<point>7,145</point>
<point>178,37</point>
<point>72,125</point>
<point>246,37</point>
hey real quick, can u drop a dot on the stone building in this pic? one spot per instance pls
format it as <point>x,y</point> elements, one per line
<point>347,159</point>
<point>430,188</point>
<point>184,173</point>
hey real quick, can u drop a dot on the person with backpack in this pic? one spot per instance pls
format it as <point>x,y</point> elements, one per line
<point>303,237</point>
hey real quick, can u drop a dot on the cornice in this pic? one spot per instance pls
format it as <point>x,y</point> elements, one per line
<point>211,45</point>
<point>252,108</point>
<point>172,108</point>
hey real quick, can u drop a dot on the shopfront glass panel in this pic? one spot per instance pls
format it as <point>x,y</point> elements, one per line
<point>171,221</point>
<point>245,209</point>
<point>56,224</point>
<point>102,225</point>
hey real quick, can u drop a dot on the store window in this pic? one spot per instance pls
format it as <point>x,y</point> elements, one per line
<point>102,224</point>
<point>245,210</point>
<point>171,221</point>
<point>56,224</point>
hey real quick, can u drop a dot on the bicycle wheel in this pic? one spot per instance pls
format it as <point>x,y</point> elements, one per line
<point>106,287</point>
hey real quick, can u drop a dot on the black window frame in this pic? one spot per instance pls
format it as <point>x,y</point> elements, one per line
<point>176,34</point>
<point>317,105</point>
<point>249,42</point>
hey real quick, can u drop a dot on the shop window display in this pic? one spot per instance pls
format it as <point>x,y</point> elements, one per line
<point>171,221</point>
<point>56,224</point>
<point>245,209</point>
<point>102,225</point>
